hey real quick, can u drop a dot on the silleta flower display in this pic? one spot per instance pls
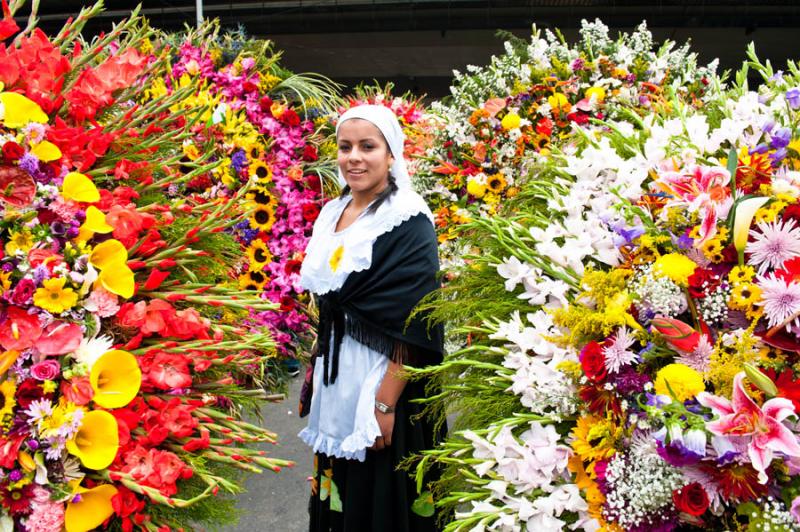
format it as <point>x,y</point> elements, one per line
<point>632,365</point>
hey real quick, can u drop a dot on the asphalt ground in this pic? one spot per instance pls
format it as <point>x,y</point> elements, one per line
<point>278,502</point>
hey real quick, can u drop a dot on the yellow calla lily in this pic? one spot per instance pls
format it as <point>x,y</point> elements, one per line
<point>115,378</point>
<point>20,110</point>
<point>78,187</point>
<point>46,151</point>
<point>108,252</point>
<point>743,217</point>
<point>95,223</point>
<point>93,508</point>
<point>117,278</point>
<point>97,441</point>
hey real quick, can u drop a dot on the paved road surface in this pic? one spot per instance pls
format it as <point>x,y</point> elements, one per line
<point>278,502</point>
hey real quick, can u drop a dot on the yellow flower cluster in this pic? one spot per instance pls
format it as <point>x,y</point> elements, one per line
<point>712,248</point>
<point>745,294</point>
<point>678,381</point>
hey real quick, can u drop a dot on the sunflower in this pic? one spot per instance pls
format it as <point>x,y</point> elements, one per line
<point>7,391</point>
<point>261,196</point>
<point>496,183</point>
<point>253,280</point>
<point>259,254</point>
<point>541,142</point>
<point>262,218</point>
<point>261,171</point>
<point>745,295</point>
<point>594,439</point>
<point>254,151</point>
<point>53,297</point>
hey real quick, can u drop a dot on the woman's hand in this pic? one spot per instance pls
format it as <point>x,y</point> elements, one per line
<point>386,423</point>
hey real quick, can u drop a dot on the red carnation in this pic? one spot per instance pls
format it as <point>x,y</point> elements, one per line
<point>12,151</point>
<point>290,118</point>
<point>593,362</point>
<point>310,212</point>
<point>691,499</point>
<point>310,153</point>
<point>701,282</point>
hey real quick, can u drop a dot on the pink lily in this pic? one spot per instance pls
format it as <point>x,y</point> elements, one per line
<point>700,189</point>
<point>764,425</point>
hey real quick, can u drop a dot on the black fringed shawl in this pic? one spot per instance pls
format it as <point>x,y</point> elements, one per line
<point>373,306</point>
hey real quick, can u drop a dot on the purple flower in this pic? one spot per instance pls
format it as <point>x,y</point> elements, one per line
<point>15,475</point>
<point>781,138</point>
<point>58,228</point>
<point>685,241</point>
<point>40,273</point>
<point>793,97</point>
<point>239,160</point>
<point>677,454</point>
<point>760,149</point>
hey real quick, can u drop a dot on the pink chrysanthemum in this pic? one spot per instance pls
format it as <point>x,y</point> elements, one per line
<point>700,358</point>
<point>780,299</point>
<point>617,354</point>
<point>774,243</point>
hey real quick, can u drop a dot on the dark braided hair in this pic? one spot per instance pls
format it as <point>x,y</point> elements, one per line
<point>385,194</point>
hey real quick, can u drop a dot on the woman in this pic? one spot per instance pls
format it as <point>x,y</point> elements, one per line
<point>371,259</point>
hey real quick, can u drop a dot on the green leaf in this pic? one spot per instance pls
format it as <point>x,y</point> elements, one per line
<point>423,506</point>
<point>336,501</point>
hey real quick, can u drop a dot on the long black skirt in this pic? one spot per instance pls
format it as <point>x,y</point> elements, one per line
<point>353,496</point>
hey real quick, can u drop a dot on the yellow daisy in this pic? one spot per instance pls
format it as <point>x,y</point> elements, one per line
<point>745,295</point>
<point>54,297</point>
<point>741,274</point>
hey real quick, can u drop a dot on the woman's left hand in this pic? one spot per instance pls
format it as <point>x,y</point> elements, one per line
<point>386,423</point>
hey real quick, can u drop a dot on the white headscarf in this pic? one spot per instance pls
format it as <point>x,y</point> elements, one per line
<point>385,120</point>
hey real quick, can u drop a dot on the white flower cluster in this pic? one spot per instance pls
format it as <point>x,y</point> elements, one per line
<point>534,358</point>
<point>657,293</point>
<point>639,489</point>
<point>774,517</point>
<point>539,289</point>
<point>533,463</point>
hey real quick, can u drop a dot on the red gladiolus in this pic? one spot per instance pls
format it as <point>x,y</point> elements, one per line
<point>155,279</point>
<point>168,371</point>
<point>8,26</point>
<point>154,468</point>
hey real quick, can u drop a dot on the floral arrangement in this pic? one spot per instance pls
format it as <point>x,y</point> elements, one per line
<point>125,368</point>
<point>261,119</point>
<point>500,120</point>
<point>632,325</point>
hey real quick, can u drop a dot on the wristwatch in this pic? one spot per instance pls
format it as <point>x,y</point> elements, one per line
<point>383,408</point>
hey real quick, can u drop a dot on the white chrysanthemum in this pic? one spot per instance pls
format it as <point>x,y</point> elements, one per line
<point>92,349</point>
<point>774,243</point>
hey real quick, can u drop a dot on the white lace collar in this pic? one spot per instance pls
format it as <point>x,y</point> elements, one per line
<point>331,256</point>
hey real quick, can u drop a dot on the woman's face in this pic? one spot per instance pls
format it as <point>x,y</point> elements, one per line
<point>364,157</point>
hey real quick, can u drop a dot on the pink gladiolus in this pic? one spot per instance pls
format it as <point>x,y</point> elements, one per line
<point>742,417</point>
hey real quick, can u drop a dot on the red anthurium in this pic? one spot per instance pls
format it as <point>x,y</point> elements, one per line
<point>17,187</point>
<point>20,330</point>
<point>60,338</point>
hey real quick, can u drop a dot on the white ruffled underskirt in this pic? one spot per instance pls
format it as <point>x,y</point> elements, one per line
<point>341,421</point>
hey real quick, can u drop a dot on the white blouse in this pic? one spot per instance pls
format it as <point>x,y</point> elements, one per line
<point>341,421</point>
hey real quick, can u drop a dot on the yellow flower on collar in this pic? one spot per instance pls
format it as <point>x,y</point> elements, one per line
<point>336,258</point>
